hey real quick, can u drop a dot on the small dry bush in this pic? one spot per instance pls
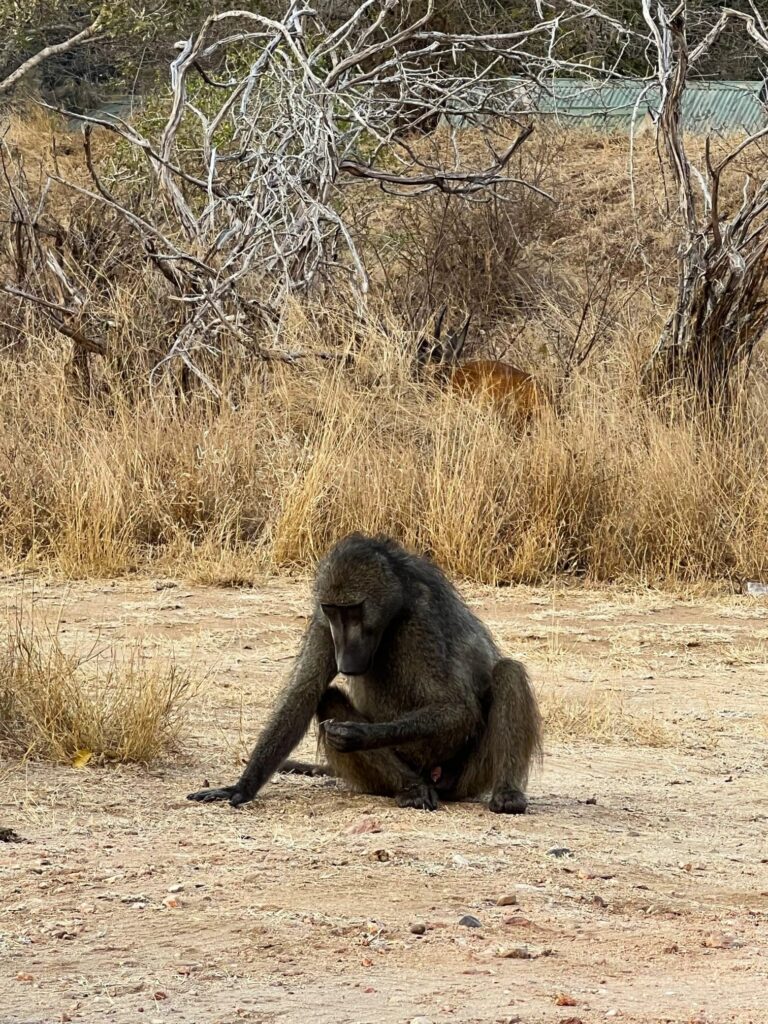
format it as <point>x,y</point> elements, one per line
<point>62,707</point>
<point>602,717</point>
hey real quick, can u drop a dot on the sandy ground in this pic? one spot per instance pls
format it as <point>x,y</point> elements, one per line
<point>127,903</point>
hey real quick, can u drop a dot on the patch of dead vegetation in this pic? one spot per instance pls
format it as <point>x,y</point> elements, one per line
<point>98,705</point>
<point>604,717</point>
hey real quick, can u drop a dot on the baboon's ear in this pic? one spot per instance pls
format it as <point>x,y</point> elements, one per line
<point>458,340</point>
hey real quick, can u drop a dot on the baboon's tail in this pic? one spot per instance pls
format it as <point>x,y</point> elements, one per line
<point>515,721</point>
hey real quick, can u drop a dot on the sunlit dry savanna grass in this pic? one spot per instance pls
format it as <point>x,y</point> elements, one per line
<point>604,486</point>
<point>603,717</point>
<point>100,704</point>
<point>609,490</point>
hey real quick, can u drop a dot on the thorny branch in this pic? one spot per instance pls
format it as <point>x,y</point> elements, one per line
<point>267,121</point>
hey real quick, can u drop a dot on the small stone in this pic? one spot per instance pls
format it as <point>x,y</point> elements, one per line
<point>417,927</point>
<point>7,835</point>
<point>592,800</point>
<point>506,901</point>
<point>363,825</point>
<point>514,953</point>
<point>559,851</point>
<point>420,1020</point>
<point>470,921</point>
<point>176,888</point>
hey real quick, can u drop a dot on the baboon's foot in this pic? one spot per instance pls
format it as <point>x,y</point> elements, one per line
<point>508,801</point>
<point>232,793</point>
<point>420,796</point>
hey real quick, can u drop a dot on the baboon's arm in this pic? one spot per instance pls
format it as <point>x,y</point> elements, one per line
<point>435,720</point>
<point>313,671</point>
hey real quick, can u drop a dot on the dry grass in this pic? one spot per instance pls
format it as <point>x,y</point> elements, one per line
<point>603,717</point>
<point>72,708</point>
<point>607,490</point>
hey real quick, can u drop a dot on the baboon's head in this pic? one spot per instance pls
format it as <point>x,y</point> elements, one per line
<point>359,594</point>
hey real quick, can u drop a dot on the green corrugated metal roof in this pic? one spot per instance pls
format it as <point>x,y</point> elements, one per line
<point>707,106</point>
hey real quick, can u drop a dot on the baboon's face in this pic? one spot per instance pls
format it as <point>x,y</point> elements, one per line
<point>355,641</point>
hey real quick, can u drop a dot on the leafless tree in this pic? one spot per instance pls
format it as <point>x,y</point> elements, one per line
<point>253,167</point>
<point>273,123</point>
<point>721,309</point>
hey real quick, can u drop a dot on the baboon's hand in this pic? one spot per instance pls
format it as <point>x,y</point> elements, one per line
<point>346,736</point>
<point>232,793</point>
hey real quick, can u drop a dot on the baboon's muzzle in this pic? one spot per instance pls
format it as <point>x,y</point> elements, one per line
<point>354,659</point>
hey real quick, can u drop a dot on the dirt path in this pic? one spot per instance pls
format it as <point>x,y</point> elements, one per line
<point>126,903</point>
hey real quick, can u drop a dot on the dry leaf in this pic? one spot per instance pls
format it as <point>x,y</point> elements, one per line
<point>562,999</point>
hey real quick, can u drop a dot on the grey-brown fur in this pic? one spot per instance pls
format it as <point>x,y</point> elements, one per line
<point>432,709</point>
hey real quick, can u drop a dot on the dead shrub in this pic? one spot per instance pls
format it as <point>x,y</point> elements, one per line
<point>71,708</point>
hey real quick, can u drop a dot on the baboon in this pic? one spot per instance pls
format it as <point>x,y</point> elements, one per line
<point>432,710</point>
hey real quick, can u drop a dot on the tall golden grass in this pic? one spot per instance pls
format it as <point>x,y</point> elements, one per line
<point>607,488</point>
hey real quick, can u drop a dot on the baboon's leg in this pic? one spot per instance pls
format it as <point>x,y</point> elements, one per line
<point>510,743</point>
<point>290,767</point>
<point>380,772</point>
